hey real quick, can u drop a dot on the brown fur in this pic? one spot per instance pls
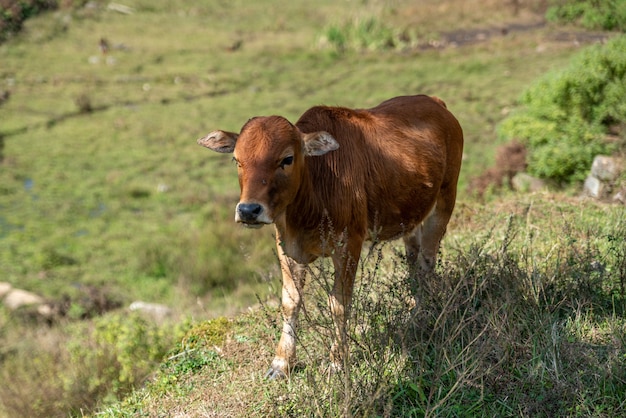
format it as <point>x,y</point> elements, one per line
<point>394,174</point>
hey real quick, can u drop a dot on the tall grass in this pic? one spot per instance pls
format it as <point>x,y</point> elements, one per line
<point>503,327</point>
<point>600,14</point>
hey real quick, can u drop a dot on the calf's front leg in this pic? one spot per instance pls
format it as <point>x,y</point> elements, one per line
<point>293,282</point>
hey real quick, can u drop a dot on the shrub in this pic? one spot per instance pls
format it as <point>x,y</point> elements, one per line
<point>13,14</point>
<point>60,372</point>
<point>119,353</point>
<point>598,14</point>
<point>116,355</point>
<point>566,115</point>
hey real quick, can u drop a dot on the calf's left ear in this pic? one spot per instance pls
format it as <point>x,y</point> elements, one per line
<point>220,141</point>
<point>319,143</point>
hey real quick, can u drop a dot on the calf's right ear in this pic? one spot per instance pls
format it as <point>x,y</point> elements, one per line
<point>319,143</point>
<point>219,141</point>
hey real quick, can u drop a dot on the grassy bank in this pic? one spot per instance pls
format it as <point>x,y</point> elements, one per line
<point>525,317</point>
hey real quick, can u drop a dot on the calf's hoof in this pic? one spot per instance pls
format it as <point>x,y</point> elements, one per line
<point>278,370</point>
<point>275,374</point>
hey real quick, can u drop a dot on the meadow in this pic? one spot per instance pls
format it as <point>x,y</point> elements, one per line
<point>104,191</point>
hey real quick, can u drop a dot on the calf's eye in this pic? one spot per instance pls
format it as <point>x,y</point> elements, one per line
<point>286,161</point>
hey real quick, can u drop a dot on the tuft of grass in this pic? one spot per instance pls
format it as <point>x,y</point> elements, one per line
<point>365,34</point>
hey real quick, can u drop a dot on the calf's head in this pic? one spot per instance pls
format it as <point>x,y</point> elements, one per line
<point>270,155</point>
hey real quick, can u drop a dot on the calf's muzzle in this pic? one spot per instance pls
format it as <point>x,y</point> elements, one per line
<point>248,214</point>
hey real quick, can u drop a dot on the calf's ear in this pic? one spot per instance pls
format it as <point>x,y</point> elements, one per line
<point>319,143</point>
<point>219,141</point>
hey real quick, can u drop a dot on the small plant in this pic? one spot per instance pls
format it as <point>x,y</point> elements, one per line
<point>209,333</point>
<point>83,103</point>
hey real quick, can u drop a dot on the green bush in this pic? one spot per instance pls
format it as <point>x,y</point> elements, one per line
<point>597,14</point>
<point>13,14</point>
<point>69,370</point>
<point>566,115</point>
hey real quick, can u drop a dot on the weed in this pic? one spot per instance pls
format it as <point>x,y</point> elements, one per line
<point>83,103</point>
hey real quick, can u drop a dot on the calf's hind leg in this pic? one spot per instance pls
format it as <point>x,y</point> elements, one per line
<point>422,245</point>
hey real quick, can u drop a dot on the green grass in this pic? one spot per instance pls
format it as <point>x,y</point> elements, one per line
<point>95,176</point>
<point>123,200</point>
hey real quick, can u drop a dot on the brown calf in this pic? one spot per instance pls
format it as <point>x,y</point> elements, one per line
<point>381,173</point>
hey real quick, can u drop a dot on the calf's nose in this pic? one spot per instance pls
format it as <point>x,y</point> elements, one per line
<point>248,212</point>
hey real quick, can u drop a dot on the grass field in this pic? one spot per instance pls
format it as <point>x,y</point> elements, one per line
<point>102,186</point>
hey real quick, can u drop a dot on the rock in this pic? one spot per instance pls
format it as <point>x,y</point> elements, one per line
<point>620,196</point>
<point>156,311</point>
<point>17,298</point>
<point>46,311</point>
<point>5,288</point>
<point>605,168</point>
<point>524,182</point>
<point>594,187</point>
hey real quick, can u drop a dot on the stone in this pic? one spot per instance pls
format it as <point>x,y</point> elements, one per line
<point>605,168</point>
<point>156,311</point>
<point>593,187</point>
<point>524,182</point>
<point>620,196</point>
<point>5,288</point>
<point>46,311</point>
<point>17,298</point>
